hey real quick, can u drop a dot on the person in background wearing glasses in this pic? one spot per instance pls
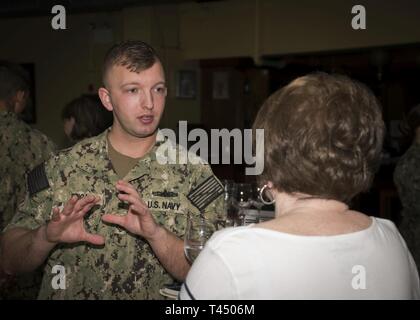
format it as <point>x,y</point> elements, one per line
<point>105,216</point>
<point>323,142</point>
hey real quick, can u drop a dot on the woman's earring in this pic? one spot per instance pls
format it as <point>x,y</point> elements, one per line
<point>262,196</point>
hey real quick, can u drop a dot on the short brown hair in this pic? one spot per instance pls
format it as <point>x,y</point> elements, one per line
<point>323,137</point>
<point>135,55</point>
<point>411,122</point>
<point>90,116</point>
<point>13,78</point>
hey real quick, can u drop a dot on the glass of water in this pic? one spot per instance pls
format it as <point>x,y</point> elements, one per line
<point>243,200</point>
<point>230,210</point>
<point>197,233</point>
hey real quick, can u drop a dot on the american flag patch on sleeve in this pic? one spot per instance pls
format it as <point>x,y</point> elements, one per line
<point>205,193</point>
<point>37,180</point>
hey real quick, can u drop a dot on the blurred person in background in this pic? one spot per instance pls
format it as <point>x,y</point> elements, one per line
<point>22,148</point>
<point>85,117</point>
<point>407,180</point>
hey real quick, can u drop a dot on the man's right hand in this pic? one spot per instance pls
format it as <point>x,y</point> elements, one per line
<point>67,226</point>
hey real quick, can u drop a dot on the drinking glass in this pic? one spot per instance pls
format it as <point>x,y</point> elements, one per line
<point>244,197</point>
<point>229,203</point>
<point>256,201</point>
<point>197,233</point>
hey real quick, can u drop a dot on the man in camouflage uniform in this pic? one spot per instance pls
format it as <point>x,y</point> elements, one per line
<point>22,148</point>
<point>118,237</point>
<point>407,180</point>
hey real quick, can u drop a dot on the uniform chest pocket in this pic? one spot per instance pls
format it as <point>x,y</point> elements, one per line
<point>93,217</point>
<point>170,212</point>
<point>165,204</point>
<point>167,200</point>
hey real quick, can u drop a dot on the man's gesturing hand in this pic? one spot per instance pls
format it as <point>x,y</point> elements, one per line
<point>138,219</point>
<point>67,226</point>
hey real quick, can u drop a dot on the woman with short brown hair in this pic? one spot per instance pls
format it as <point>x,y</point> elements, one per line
<point>323,141</point>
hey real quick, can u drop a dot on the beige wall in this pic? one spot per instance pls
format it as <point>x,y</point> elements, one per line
<point>160,27</point>
<point>68,61</point>
<point>252,27</point>
<point>306,25</point>
<point>220,29</point>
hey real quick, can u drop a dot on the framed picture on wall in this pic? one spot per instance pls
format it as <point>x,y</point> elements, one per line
<point>221,85</point>
<point>186,84</point>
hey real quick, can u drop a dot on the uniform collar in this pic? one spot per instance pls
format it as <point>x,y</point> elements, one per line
<point>96,157</point>
<point>144,165</point>
<point>95,154</point>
